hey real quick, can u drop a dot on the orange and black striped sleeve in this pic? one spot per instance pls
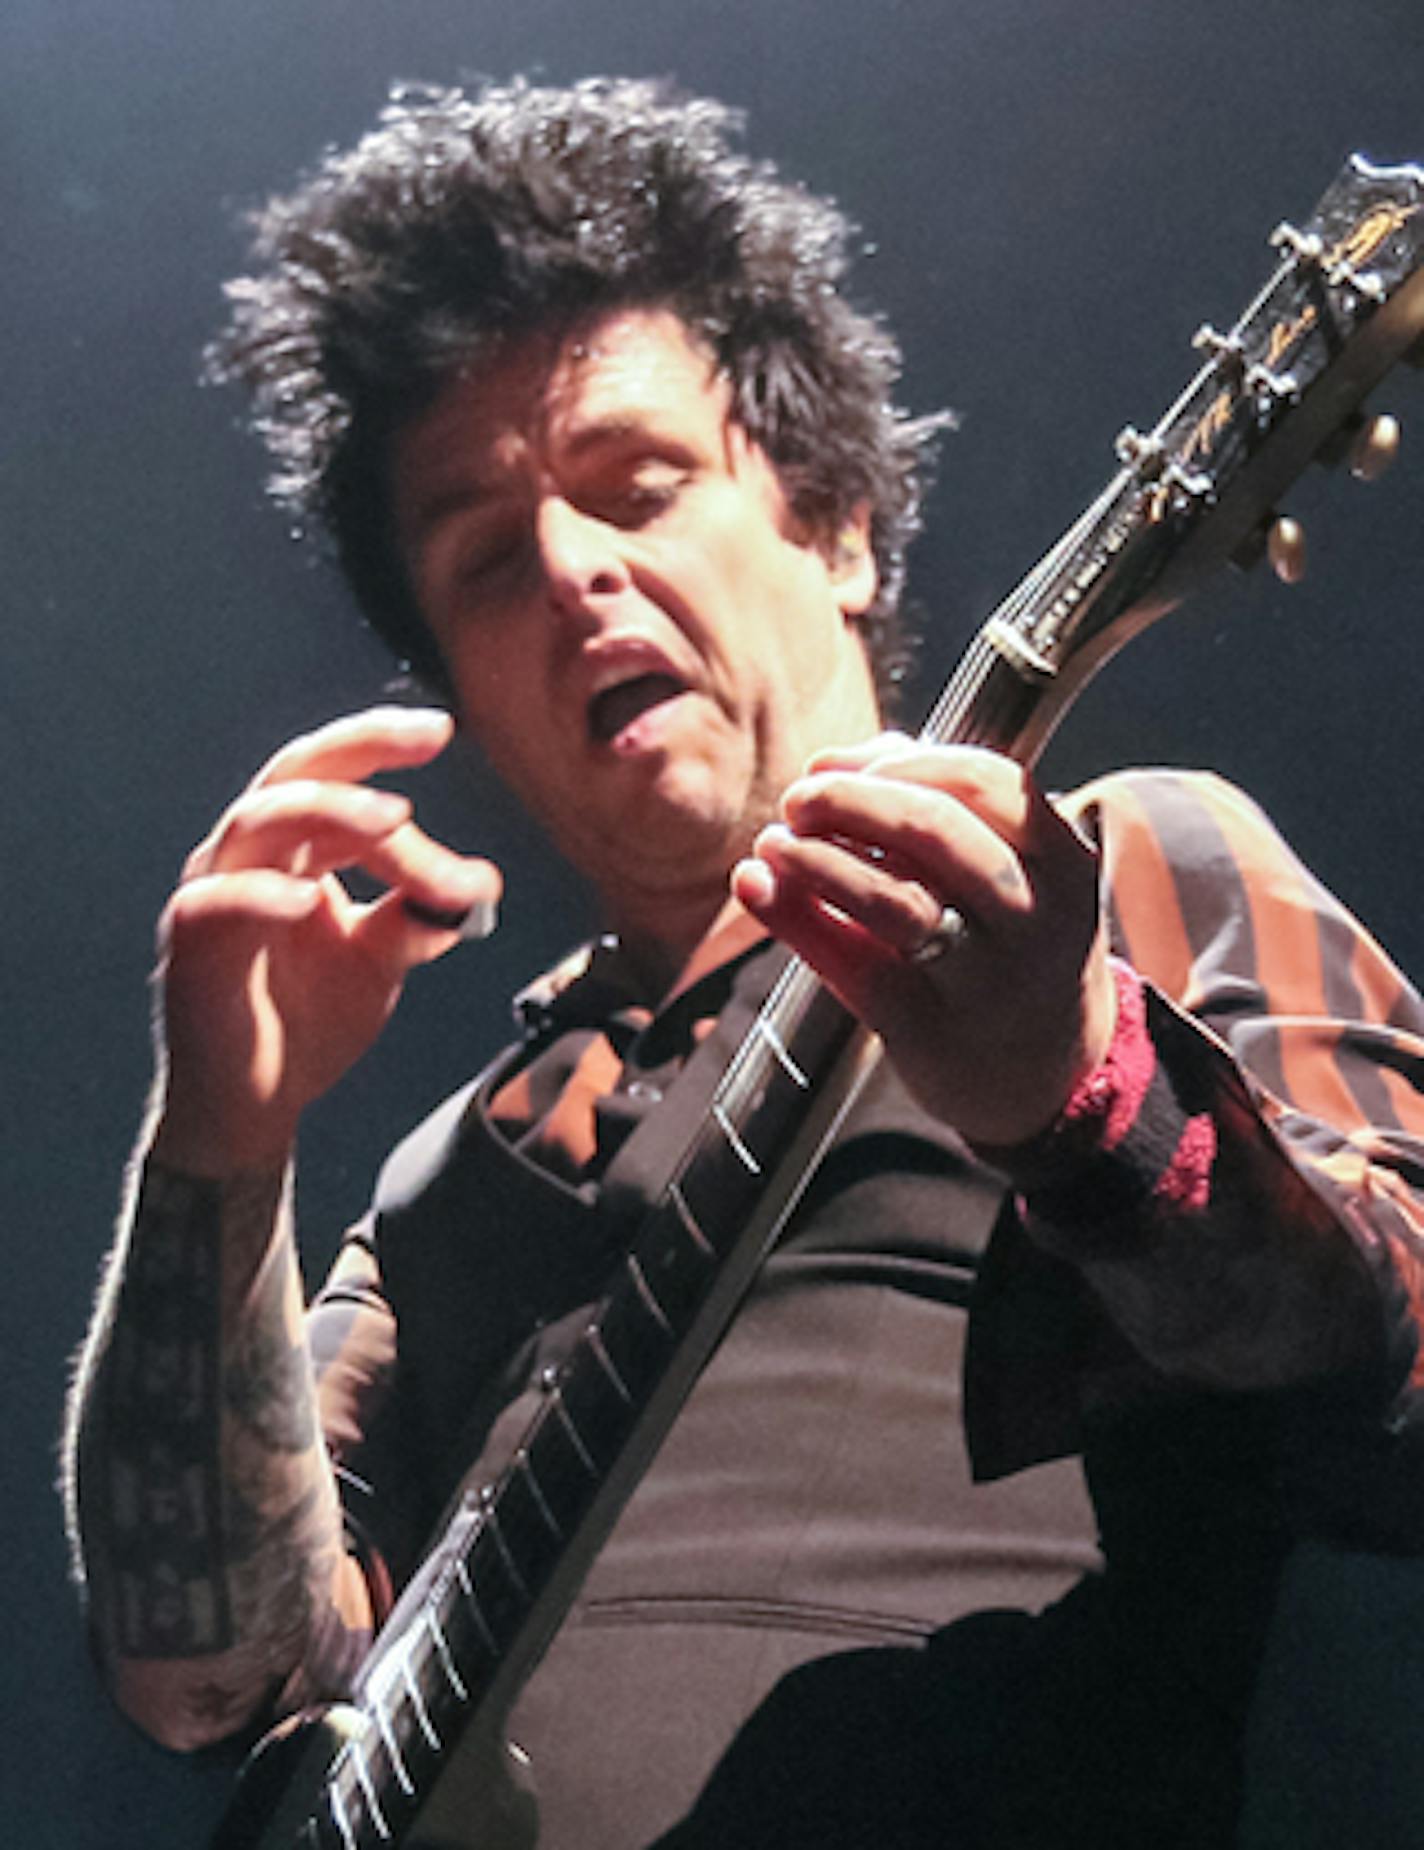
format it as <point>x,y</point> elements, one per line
<point>1242,1181</point>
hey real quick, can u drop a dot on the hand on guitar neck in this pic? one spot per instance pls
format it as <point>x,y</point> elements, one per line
<point>993,1030</point>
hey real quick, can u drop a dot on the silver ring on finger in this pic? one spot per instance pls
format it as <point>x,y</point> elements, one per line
<point>949,933</point>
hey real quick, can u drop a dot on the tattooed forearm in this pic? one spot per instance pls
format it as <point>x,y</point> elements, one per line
<point>207,1512</point>
<point>265,1382</point>
<point>158,1483</point>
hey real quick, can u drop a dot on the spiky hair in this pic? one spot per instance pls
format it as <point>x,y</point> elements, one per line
<point>464,218</point>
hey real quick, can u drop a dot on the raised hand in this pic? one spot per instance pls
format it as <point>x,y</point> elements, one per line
<point>274,980</point>
<point>992,1021</point>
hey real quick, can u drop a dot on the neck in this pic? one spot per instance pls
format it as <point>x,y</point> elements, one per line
<point>659,942</point>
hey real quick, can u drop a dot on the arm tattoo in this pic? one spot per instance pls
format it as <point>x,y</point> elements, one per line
<point>159,1482</point>
<point>207,1477</point>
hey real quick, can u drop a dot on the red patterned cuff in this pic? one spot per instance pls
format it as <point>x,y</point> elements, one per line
<point>1125,1139</point>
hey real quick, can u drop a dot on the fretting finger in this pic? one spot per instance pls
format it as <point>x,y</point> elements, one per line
<point>897,911</point>
<point>913,833</point>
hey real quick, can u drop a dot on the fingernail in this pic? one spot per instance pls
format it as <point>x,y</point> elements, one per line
<point>754,882</point>
<point>475,922</point>
<point>417,719</point>
<point>480,920</point>
<point>385,806</point>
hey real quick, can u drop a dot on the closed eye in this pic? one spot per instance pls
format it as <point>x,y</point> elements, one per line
<point>645,501</point>
<point>488,556</point>
<point>639,497</point>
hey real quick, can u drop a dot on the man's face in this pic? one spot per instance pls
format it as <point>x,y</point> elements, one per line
<point>638,634</point>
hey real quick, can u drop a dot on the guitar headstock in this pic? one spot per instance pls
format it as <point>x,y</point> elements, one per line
<point>1285,385</point>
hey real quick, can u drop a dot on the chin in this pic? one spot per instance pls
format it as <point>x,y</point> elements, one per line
<point>662,831</point>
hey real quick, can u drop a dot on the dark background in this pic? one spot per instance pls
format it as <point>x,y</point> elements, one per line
<point>1059,192</point>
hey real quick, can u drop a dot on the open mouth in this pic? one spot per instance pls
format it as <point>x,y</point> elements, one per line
<point>615,709</point>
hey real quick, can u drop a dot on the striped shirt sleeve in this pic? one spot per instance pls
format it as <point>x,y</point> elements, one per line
<point>1242,1181</point>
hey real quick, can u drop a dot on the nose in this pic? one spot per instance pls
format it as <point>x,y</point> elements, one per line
<point>579,554</point>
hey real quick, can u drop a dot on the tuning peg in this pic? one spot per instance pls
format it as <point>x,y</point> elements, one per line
<point>1305,247</point>
<point>1307,250</point>
<point>1285,548</point>
<point>1374,448</point>
<point>1146,455</point>
<point>1227,351</point>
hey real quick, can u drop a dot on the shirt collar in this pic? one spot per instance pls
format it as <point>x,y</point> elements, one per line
<point>597,978</point>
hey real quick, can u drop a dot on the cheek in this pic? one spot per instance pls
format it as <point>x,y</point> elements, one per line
<point>529,766</point>
<point>504,714</point>
<point>492,667</point>
<point>771,594</point>
<point>802,619</point>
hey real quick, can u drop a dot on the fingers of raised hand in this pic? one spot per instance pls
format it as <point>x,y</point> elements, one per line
<point>396,933</point>
<point>309,828</point>
<point>335,759</point>
<point>358,745</point>
<point>212,909</point>
<point>304,826</point>
<point>340,756</point>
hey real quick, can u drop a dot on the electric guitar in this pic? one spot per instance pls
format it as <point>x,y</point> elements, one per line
<point>1282,387</point>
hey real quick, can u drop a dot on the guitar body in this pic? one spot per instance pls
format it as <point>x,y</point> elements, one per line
<point>484,1800</point>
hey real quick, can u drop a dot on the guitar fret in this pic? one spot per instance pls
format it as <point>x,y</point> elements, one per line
<point>778,1047</point>
<point>472,1606</point>
<point>565,1418</point>
<point>636,1347</point>
<point>593,1335</point>
<point>392,1746</point>
<point>504,1600</point>
<point>447,1662</point>
<point>368,1792</point>
<point>718,1191</point>
<point>417,1702</point>
<point>729,1131</point>
<point>339,1817</point>
<point>647,1294</point>
<point>563,1479</point>
<point>690,1220</point>
<point>601,1414</point>
<point>525,1465</point>
<point>494,1529</point>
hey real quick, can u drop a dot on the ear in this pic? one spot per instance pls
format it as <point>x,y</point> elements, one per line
<point>850,561</point>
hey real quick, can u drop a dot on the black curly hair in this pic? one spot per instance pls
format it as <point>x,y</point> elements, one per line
<point>466,217</point>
